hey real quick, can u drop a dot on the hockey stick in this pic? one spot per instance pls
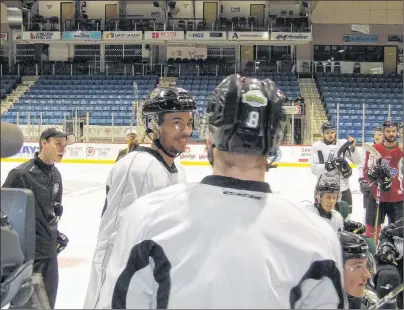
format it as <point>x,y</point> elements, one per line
<point>344,148</point>
<point>368,148</point>
<point>388,297</point>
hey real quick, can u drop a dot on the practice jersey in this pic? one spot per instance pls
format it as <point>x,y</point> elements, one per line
<point>135,175</point>
<point>361,166</point>
<point>322,152</point>
<point>222,243</point>
<point>394,159</point>
<point>336,221</point>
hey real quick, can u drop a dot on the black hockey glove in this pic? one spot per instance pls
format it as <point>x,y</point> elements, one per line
<point>386,184</point>
<point>330,166</point>
<point>55,214</point>
<point>354,227</point>
<point>364,186</point>
<point>386,253</point>
<point>61,241</point>
<point>343,167</point>
<point>378,173</point>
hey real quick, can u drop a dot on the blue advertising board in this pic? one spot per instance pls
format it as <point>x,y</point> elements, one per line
<point>82,35</point>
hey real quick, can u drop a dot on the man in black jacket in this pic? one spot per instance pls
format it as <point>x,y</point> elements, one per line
<point>41,176</point>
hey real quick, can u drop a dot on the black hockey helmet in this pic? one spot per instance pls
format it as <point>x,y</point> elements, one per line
<point>246,115</point>
<point>327,186</point>
<point>168,100</point>
<point>355,247</point>
<point>390,123</point>
<point>327,126</point>
<point>164,100</point>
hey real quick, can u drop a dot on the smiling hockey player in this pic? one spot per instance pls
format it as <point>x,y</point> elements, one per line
<point>227,241</point>
<point>168,115</point>
<point>326,163</point>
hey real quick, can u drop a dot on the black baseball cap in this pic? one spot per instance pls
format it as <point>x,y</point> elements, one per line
<point>53,132</point>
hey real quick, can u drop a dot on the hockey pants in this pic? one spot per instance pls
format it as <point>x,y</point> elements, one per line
<point>386,279</point>
<point>393,210</point>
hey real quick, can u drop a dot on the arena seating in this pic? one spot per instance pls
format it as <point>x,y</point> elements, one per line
<point>58,97</point>
<point>7,84</point>
<point>202,86</point>
<point>351,91</point>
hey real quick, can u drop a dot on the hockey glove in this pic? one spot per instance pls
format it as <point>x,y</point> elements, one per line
<point>58,209</point>
<point>364,186</point>
<point>343,167</point>
<point>386,184</point>
<point>330,166</point>
<point>386,253</point>
<point>62,242</point>
<point>354,227</point>
<point>378,173</point>
<point>398,244</point>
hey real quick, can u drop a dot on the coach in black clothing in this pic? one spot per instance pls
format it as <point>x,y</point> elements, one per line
<point>42,177</point>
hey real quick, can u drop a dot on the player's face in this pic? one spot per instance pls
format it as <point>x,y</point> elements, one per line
<point>328,201</point>
<point>356,275</point>
<point>54,149</point>
<point>133,139</point>
<point>329,135</point>
<point>176,131</point>
<point>378,137</point>
<point>390,134</point>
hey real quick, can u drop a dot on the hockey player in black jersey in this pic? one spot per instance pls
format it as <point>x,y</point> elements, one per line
<point>359,266</point>
<point>389,259</point>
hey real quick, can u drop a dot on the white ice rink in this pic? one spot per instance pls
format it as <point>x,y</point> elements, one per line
<point>83,200</point>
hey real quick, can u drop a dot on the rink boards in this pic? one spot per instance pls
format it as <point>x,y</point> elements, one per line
<point>195,154</point>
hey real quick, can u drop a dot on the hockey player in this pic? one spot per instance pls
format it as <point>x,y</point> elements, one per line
<point>389,173</point>
<point>389,259</point>
<point>359,266</point>
<point>327,192</point>
<point>227,242</point>
<point>168,114</point>
<point>325,163</point>
<point>133,144</point>
<point>364,184</point>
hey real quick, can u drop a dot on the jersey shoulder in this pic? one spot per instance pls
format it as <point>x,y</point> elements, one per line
<point>318,145</point>
<point>138,162</point>
<point>163,199</point>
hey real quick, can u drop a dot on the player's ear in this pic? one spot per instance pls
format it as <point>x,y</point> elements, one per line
<point>208,143</point>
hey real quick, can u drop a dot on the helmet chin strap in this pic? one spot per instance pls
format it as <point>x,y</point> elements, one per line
<point>161,147</point>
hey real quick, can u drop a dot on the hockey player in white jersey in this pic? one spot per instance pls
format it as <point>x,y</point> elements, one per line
<point>326,163</point>
<point>227,242</point>
<point>364,184</point>
<point>327,192</point>
<point>168,115</point>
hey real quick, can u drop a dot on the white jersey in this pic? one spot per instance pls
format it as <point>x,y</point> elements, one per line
<point>222,243</point>
<point>321,153</point>
<point>135,175</point>
<point>336,221</point>
<point>361,166</point>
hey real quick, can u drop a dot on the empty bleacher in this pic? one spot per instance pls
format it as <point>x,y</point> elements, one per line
<point>59,97</point>
<point>7,84</point>
<point>351,91</point>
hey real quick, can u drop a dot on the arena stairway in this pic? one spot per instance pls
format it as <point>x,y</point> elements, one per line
<point>312,100</point>
<point>14,96</point>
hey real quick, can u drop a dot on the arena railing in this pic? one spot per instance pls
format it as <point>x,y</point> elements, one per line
<point>82,24</point>
<point>130,24</point>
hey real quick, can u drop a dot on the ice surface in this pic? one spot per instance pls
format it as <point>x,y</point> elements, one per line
<point>83,200</point>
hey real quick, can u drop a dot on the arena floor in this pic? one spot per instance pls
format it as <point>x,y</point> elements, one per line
<point>83,200</point>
